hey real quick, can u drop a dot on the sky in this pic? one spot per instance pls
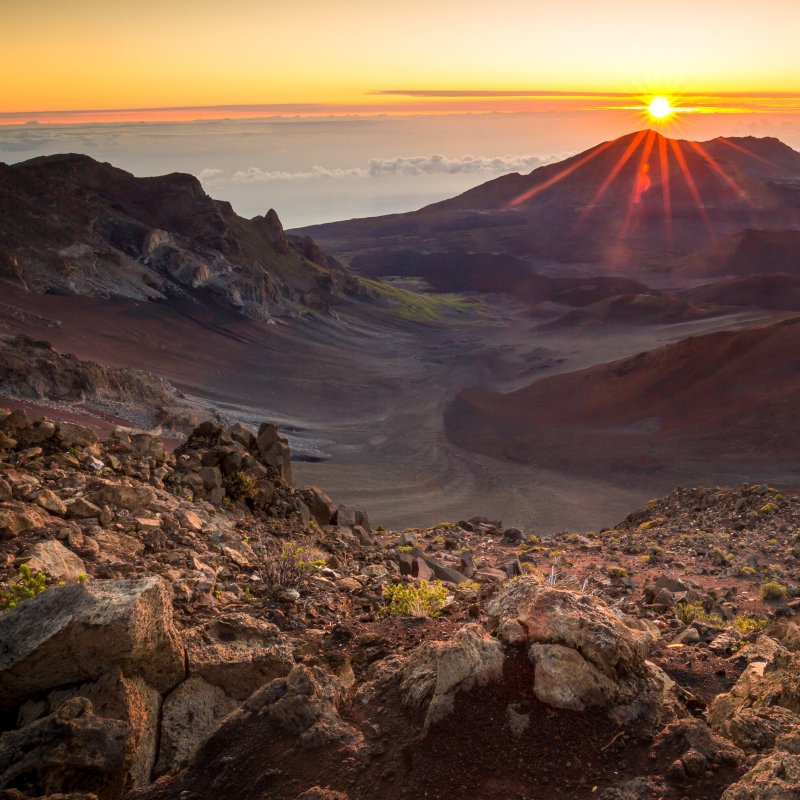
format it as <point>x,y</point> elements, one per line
<point>331,110</point>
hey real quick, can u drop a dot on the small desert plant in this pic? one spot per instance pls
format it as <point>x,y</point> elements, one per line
<point>290,567</point>
<point>240,484</point>
<point>403,548</point>
<point>617,573</point>
<point>745,624</point>
<point>422,599</point>
<point>28,584</point>
<point>773,591</point>
<point>768,508</point>
<point>694,612</point>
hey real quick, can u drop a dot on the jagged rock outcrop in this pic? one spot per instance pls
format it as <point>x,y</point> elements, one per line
<point>71,224</point>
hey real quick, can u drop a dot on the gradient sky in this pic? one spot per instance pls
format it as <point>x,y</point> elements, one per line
<point>132,54</point>
<point>328,110</point>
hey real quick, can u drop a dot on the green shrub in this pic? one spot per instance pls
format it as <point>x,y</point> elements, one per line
<point>290,567</point>
<point>414,600</point>
<point>773,591</point>
<point>617,573</point>
<point>694,612</point>
<point>240,484</point>
<point>745,624</point>
<point>27,585</point>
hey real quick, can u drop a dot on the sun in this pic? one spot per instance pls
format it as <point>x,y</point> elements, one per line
<point>660,108</point>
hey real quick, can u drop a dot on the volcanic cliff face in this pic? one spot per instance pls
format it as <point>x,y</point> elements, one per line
<point>634,203</point>
<point>69,224</point>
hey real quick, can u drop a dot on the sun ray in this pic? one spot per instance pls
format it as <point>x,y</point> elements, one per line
<point>744,150</point>
<point>709,159</point>
<point>525,196</point>
<point>663,156</point>
<point>616,169</point>
<point>642,181</point>
<point>687,176</point>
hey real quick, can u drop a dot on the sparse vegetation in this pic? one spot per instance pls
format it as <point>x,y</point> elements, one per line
<point>617,573</point>
<point>695,612</point>
<point>422,599</point>
<point>420,307</point>
<point>290,567</point>
<point>240,485</point>
<point>745,624</point>
<point>28,584</point>
<point>772,591</point>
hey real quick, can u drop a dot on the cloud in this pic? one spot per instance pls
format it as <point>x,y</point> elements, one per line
<point>438,164</point>
<point>256,175</point>
<point>396,165</point>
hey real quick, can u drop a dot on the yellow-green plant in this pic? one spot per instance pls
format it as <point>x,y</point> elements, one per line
<point>29,584</point>
<point>422,599</point>
<point>617,573</point>
<point>694,612</point>
<point>240,484</point>
<point>745,624</point>
<point>772,590</point>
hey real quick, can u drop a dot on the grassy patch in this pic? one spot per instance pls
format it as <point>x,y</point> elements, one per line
<point>420,307</point>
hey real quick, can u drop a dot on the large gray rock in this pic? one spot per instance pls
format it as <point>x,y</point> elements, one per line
<point>238,653</point>
<point>584,654</point>
<point>190,714</point>
<point>75,633</point>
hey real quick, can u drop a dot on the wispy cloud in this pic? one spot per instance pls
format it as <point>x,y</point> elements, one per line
<point>396,165</point>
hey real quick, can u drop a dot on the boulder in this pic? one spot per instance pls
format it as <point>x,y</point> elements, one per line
<point>120,495</point>
<point>81,508</point>
<point>440,571</point>
<point>70,434</point>
<point>75,633</point>
<point>775,777</point>
<point>436,671</point>
<point>584,654</point>
<point>319,504</point>
<point>190,714</point>
<point>71,749</point>
<point>55,560</point>
<point>274,451</point>
<point>774,681</point>
<point>114,696</point>
<point>756,730</point>
<point>238,653</point>
<point>51,502</point>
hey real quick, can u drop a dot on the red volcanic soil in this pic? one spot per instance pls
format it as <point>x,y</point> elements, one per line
<point>725,402</point>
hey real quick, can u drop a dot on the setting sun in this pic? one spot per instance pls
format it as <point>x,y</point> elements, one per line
<point>660,108</point>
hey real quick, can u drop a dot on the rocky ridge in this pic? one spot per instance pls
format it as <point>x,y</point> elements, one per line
<point>72,225</point>
<point>203,628</point>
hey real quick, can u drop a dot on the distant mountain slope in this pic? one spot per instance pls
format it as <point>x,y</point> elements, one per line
<point>717,400</point>
<point>747,252</point>
<point>71,224</point>
<point>637,201</point>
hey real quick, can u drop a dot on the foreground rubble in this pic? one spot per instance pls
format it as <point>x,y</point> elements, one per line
<point>202,628</point>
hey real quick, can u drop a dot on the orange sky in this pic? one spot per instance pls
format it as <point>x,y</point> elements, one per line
<point>311,56</point>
